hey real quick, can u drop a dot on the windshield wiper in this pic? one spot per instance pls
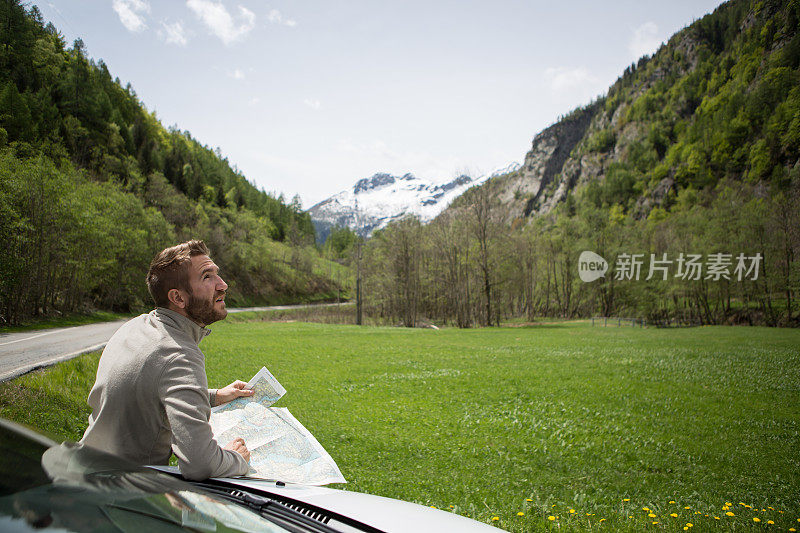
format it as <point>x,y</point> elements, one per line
<point>271,509</point>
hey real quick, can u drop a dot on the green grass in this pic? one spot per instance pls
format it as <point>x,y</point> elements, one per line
<point>53,400</point>
<point>343,313</point>
<point>538,419</point>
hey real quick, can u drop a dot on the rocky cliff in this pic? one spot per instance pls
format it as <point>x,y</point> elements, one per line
<point>540,183</point>
<point>583,146</point>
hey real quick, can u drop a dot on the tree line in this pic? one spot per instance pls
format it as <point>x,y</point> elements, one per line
<point>92,186</point>
<point>700,154</point>
<point>470,268</point>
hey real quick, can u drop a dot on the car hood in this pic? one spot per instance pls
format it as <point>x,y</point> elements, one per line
<point>386,514</point>
<point>383,513</point>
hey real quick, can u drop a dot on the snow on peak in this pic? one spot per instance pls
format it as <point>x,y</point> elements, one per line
<point>375,201</point>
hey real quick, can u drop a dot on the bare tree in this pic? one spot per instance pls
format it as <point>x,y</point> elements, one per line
<point>451,252</point>
<point>482,207</point>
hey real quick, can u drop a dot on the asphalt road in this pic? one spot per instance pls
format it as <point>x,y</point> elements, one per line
<point>27,350</point>
<point>24,351</point>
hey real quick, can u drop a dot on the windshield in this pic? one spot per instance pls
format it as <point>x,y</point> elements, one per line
<point>68,487</point>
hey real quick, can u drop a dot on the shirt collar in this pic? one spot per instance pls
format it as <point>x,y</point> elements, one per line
<point>185,324</point>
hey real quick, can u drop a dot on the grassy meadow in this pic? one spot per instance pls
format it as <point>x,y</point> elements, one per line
<point>542,427</point>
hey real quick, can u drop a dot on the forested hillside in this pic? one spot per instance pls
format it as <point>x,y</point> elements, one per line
<point>92,185</point>
<point>692,158</point>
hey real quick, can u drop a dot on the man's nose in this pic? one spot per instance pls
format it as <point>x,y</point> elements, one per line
<point>221,285</point>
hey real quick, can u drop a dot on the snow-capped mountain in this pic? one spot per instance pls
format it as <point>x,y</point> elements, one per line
<point>375,201</point>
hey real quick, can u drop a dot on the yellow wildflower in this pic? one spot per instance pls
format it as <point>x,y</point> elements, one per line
<point>728,503</point>
<point>730,513</point>
<point>654,523</point>
<point>672,501</point>
<point>551,518</point>
<point>572,511</point>
<point>716,518</point>
<point>770,508</point>
<point>674,515</point>
<point>770,522</point>
<point>495,518</point>
<point>756,519</point>
<point>626,499</point>
<point>685,528</point>
<point>645,509</point>
<point>528,500</point>
<point>689,524</point>
<point>602,519</point>
<point>651,515</point>
<point>688,507</point>
<point>520,513</point>
<point>792,529</point>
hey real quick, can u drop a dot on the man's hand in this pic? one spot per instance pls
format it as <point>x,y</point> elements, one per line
<point>231,392</point>
<point>238,446</point>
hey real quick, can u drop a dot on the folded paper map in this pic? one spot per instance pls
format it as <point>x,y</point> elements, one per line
<point>280,447</point>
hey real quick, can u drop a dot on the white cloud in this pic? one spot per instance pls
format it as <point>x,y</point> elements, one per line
<point>221,23</point>
<point>254,100</point>
<point>173,33</point>
<point>312,103</point>
<point>131,13</point>
<point>564,78</point>
<point>237,74</point>
<point>645,40</point>
<point>275,17</point>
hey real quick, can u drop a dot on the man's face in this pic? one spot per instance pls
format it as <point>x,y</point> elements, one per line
<point>206,302</point>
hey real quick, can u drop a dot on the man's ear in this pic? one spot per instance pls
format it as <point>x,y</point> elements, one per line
<point>176,298</point>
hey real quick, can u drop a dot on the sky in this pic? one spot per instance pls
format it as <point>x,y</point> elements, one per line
<point>305,97</point>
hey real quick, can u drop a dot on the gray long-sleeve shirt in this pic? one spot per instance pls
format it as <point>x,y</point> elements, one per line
<point>151,398</point>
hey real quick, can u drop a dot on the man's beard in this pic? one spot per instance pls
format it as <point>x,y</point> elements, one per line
<point>203,311</point>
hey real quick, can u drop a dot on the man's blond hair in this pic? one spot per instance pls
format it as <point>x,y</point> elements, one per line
<point>170,270</point>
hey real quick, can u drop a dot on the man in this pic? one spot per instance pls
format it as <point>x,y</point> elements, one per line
<point>151,396</point>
